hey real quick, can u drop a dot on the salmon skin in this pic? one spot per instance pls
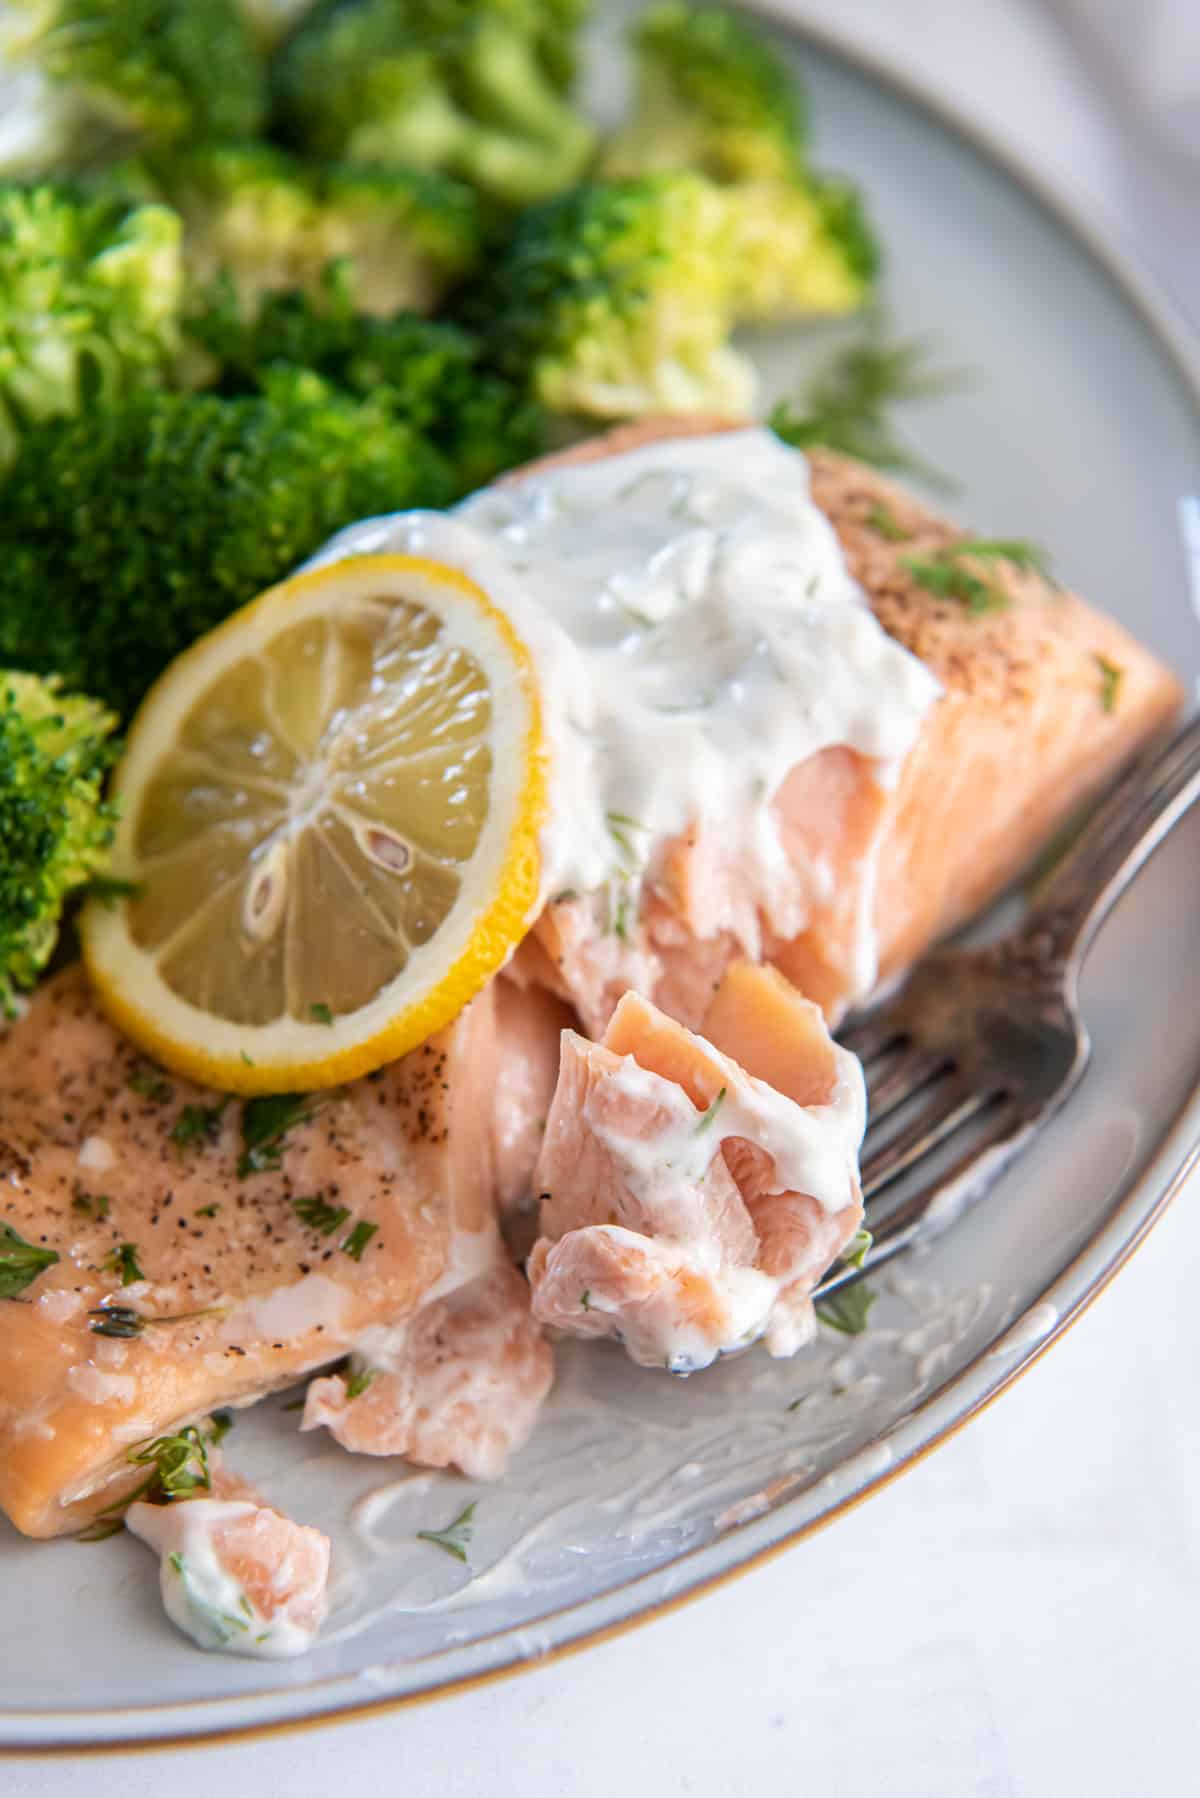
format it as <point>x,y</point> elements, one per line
<point>688,1205</point>
<point>187,1280</point>
<point>1027,729</point>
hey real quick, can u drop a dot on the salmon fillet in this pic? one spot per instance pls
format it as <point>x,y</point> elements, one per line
<point>1019,739</point>
<point>690,1201</point>
<point>461,1384</point>
<point>251,1265</point>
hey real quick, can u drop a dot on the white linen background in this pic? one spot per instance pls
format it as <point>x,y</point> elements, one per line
<point>1016,1617</point>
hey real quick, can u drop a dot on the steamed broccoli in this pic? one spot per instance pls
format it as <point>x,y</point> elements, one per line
<point>714,97</point>
<point>425,373</point>
<point>799,246</point>
<point>271,20</point>
<point>615,299</point>
<point>274,223</point>
<point>90,297</point>
<point>471,87</point>
<point>80,78</point>
<point>55,830</point>
<point>126,535</point>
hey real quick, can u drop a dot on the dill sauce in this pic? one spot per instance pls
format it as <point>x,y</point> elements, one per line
<point>697,634</point>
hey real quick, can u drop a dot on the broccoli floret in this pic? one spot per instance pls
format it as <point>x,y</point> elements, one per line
<point>712,96</point>
<point>271,20</point>
<point>125,536</point>
<point>55,830</point>
<point>80,78</point>
<point>90,297</point>
<point>614,300</point>
<point>471,87</point>
<point>426,373</point>
<point>273,223</point>
<point>801,246</point>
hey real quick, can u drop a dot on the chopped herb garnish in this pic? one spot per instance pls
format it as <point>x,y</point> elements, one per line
<point>180,1464</point>
<point>219,1426</point>
<point>455,1537</point>
<point>621,917</point>
<point>585,1299</point>
<point>358,1380</point>
<point>319,1215</point>
<point>124,1261</point>
<point>710,1114</point>
<point>118,1321</point>
<point>208,1210</point>
<point>619,826</point>
<point>847,1309</point>
<point>122,1322</point>
<point>846,407</point>
<point>944,575</point>
<point>198,1124</point>
<point>150,1084</point>
<point>265,1123</point>
<point>321,1014</point>
<point>223,1626</point>
<point>108,889</point>
<point>1111,676</point>
<point>20,1262</point>
<point>884,523</point>
<point>358,1239</point>
<point>91,1204</point>
<point>248,1060</point>
<point>855,1252</point>
<point>178,1469</point>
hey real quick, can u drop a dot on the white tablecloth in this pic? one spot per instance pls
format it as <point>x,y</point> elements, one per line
<point>1016,1617</point>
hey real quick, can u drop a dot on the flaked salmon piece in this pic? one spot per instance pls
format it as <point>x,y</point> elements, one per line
<point>688,1205</point>
<point>461,1384</point>
<point>235,1574</point>
<point>1025,732</point>
<point>185,1282</point>
<point>529,1023</point>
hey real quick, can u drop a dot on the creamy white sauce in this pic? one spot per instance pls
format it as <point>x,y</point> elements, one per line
<point>814,1148</point>
<point>200,1595</point>
<point>697,634</point>
<point>289,1311</point>
<point>96,1155</point>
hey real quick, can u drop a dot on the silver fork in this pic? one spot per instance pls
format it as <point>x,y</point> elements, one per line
<point>981,1046</point>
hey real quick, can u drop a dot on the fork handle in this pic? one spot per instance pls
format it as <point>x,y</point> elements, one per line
<point>1124,831</point>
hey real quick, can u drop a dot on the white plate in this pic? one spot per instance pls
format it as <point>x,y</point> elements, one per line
<point>1081,429</point>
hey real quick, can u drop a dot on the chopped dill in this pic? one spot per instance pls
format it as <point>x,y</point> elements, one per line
<point>710,1115</point>
<point>319,1215</point>
<point>455,1537</point>
<point>1111,676</point>
<point>354,1244</point>
<point>20,1262</point>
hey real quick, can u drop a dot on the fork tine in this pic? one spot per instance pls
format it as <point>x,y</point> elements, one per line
<point>902,1078</point>
<point>948,1108</point>
<point>872,1034</point>
<point>980,1164</point>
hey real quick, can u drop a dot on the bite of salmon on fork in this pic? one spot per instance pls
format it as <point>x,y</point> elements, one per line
<point>694,1187</point>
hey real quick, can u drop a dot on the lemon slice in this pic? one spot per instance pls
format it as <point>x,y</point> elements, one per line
<point>330,808</point>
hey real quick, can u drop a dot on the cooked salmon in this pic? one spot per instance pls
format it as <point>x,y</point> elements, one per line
<point>460,1384</point>
<point>1025,731</point>
<point>234,1573</point>
<point>186,1278</point>
<point>694,1188</point>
